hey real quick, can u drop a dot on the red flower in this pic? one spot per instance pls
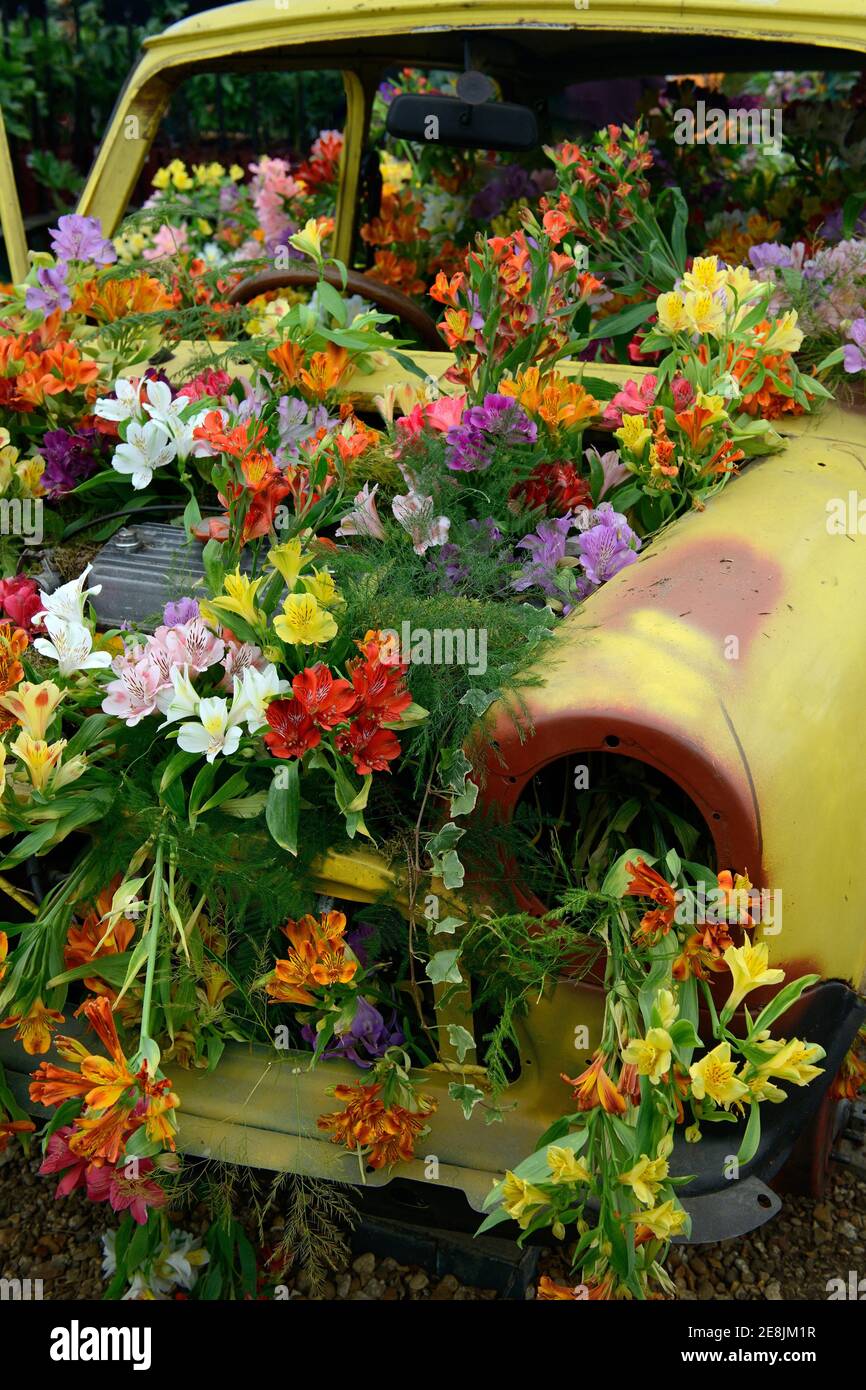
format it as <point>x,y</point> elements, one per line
<point>556,486</point>
<point>19,599</point>
<point>292,731</point>
<point>370,748</point>
<point>381,695</point>
<point>327,701</point>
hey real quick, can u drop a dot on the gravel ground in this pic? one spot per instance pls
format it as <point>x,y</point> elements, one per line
<point>791,1258</point>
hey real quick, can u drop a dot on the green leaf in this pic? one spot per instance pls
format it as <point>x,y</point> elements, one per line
<point>282,812</point>
<point>752,1137</point>
<point>783,1000</point>
<point>331,301</point>
<point>461,1040</point>
<point>442,968</point>
<point>466,1096</point>
<point>626,321</point>
<point>176,764</point>
<point>112,969</point>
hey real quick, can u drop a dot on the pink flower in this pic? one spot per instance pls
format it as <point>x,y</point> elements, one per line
<point>59,1158</point>
<point>168,241</point>
<point>409,426</point>
<point>363,519</point>
<point>207,383</point>
<point>445,413</point>
<point>272,187</point>
<point>633,399</point>
<point>415,515</point>
<point>127,1188</point>
<point>192,645</point>
<point>239,657</point>
<point>134,694</point>
<point>682,393</point>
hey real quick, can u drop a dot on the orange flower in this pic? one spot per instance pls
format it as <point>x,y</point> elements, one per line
<point>4,950</point>
<point>384,1134</point>
<point>289,359</point>
<point>237,442</point>
<point>10,1127</point>
<point>646,883</point>
<point>445,291</point>
<point>92,939</point>
<point>35,1027</point>
<point>594,1087</point>
<point>399,271</point>
<point>13,643</point>
<point>603,1290</point>
<point>103,1135</point>
<point>547,1290</point>
<point>326,371</point>
<point>696,958</point>
<point>116,299</point>
<point>318,958</point>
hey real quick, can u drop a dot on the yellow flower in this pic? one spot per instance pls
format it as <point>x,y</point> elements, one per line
<point>289,558</point>
<point>664,1221</point>
<point>34,1028</point>
<point>235,172</point>
<point>761,1088</point>
<point>672,312</point>
<point>634,433</point>
<point>40,758</point>
<point>179,176</point>
<point>715,405</point>
<point>669,1009</point>
<point>693,1134</point>
<point>748,966</point>
<point>651,1055</point>
<point>204,226</point>
<point>784,336</point>
<point>792,1061</point>
<point>705,276</point>
<point>162,178</point>
<point>33,705</point>
<point>240,597</point>
<point>321,585</point>
<point>304,622</point>
<point>645,1178</point>
<point>309,240</point>
<point>713,1076</point>
<point>565,1166</point>
<point>521,1200</point>
<point>704,314</point>
<point>739,282</point>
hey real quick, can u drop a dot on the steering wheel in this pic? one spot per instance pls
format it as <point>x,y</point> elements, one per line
<point>385,297</point>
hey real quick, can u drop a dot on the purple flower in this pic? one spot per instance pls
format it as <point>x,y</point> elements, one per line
<point>70,458</point>
<point>183,611</point>
<point>368,1033</point>
<point>52,291</point>
<point>606,548</point>
<point>770,254</point>
<point>297,421</point>
<point>546,547</point>
<point>80,239</point>
<point>499,422</point>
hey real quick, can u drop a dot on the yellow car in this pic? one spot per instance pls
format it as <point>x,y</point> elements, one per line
<point>729,661</point>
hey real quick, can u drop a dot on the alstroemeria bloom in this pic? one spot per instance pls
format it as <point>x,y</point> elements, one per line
<point>645,882</point>
<point>40,758</point>
<point>253,693</point>
<point>415,515</point>
<point>565,1166</point>
<point>34,1027</point>
<point>645,1178</point>
<point>239,597</point>
<point>217,730</point>
<point>304,622</point>
<point>134,694</point>
<point>792,1061</point>
<point>363,519</point>
<point>660,1223</point>
<point>68,601</point>
<point>749,966</point>
<point>521,1199</point>
<point>327,700</point>
<point>71,646</point>
<point>594,1087</point>
<point>127,402</point>
<point>33,705</point>
<point>192,644</point>
<point>714,1076</point>
<point>292,731</point>
<point>146,449</point>
<point>651,1055</point>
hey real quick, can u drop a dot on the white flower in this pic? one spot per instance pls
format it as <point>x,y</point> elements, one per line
<point>147,448</point>
<point>218,730</point>
<point>67,602</point>
<point>127,405</point>
<point>252,693</point>
<point>71,646</point>
<point>180,700</point>
<point>182,1264</point>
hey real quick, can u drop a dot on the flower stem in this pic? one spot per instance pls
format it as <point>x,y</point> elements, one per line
<point>156,894</point>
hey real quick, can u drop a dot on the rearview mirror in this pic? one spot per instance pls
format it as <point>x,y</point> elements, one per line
<point>489,125</point>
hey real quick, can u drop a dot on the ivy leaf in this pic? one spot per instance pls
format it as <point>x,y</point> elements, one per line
<point>447,926</point>
<point>443,968</point>
<point>466,1096</point>
<point>461,1040</point>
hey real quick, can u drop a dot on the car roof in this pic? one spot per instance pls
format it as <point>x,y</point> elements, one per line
<point>276,21</point>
